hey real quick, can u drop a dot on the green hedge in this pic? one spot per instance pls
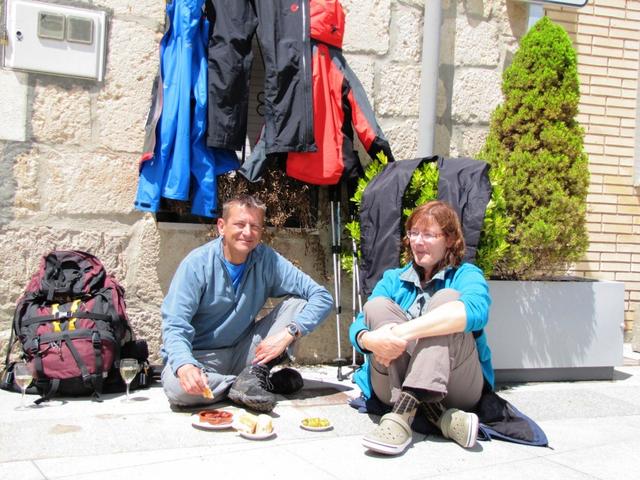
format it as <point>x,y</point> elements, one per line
<point>536,144</point>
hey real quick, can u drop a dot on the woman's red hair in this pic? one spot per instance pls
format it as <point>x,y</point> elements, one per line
<point>447,219</point>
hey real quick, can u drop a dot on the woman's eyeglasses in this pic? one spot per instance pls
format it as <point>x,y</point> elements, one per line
<point>426,236</point>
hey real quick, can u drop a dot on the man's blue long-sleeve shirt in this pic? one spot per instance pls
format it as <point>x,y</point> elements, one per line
<point>203,312</point>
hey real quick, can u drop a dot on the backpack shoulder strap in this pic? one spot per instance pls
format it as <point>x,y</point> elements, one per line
<point>12,340</point>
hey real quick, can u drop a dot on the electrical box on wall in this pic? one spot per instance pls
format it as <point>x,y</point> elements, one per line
<point>55,39</point>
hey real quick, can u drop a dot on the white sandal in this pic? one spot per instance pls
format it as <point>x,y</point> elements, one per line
<point>391,437</point>
<point>460,426</point>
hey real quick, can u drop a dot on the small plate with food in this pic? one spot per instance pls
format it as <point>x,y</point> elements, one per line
<point>316,424</point>
<point>257,436</point>
<point>254,427</point>
<point>212,420</point>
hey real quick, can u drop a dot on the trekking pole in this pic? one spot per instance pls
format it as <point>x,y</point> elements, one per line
<point>356,297</point>
<point>355,271</point>
<point>357,294</point>
<point>335,249</point>
<point>357,275</point>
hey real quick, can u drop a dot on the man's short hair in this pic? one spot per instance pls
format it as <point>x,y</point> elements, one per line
<point>244,200</point>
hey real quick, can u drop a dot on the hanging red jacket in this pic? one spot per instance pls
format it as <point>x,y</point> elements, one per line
<point>340,106</point>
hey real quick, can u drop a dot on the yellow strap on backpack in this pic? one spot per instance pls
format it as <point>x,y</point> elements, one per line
<point>74,309</point>
<point>56,323</point>
<point>72,321</point>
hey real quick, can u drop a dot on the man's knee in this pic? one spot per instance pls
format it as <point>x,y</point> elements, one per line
<point>285,312</point>
<point>171,385</point>
<point>295,304</point>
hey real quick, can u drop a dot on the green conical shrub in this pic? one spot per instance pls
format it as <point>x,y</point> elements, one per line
<point>537,144</point>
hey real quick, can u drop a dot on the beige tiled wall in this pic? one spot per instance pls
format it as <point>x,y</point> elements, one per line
<point>606,34</point>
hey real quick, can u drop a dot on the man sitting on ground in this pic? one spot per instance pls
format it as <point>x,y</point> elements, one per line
<point>212,340</point>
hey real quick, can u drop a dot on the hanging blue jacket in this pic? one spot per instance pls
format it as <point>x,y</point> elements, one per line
<point>176,163</point>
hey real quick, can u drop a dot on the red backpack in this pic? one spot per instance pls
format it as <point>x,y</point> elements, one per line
<point>72,324</point>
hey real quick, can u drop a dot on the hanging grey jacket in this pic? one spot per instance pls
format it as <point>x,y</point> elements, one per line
<point>463,183</point>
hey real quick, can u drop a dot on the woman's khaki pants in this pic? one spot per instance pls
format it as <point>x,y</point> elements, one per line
<point>445,368</point>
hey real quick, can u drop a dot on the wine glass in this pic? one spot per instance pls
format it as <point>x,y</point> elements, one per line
<point>128,370</point>
<point>23,376</point>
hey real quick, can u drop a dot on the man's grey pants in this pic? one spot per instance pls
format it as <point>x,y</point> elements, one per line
<point>445,367</point>
<point>224,364</point>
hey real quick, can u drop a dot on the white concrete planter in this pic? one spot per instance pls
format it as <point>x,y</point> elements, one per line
<point>556,330</point>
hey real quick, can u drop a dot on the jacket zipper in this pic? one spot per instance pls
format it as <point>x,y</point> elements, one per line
<point>307,81</point>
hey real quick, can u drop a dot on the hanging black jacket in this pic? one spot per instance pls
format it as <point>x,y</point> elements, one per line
<point>284,36</point>
<point>341,110</point>
<point>463,183</point>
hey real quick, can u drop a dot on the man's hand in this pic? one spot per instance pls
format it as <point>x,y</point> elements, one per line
<point>192,379</point>
<point>272,346</point>
<point>384,344</point>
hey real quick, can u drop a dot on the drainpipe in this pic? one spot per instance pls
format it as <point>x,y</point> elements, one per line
<point>636,183</point>
<point>636,168</point>
<point>429,77</point>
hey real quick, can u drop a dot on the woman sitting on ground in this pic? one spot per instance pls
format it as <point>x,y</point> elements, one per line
<point>418,330</point>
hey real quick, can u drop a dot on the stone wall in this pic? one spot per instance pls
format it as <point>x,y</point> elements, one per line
<point>69,152</point>
<point>477,43</point>
<point>69,148</point>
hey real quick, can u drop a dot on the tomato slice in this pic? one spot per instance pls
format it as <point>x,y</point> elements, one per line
<point>215,417</point>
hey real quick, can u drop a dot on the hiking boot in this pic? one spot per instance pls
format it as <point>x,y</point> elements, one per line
<point>252,389</point>
<point>459,426</point>
<point>286,381</point>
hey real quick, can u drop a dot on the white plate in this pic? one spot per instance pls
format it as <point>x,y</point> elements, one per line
<point>195,421</point>
<point>316,429</point>
<point>257,436</point>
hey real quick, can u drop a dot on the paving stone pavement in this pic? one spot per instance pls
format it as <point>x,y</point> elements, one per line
<point>593,428</point>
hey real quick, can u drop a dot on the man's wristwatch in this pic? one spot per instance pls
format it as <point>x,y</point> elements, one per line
<point>293,330</point>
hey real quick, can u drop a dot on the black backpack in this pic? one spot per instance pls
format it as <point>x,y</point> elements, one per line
<point>73,327</point>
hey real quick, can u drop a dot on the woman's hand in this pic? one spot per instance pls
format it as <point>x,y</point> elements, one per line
<point>384,344</point>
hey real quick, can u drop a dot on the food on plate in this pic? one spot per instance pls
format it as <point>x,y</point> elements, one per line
<point>254,425</point>
<point>215,417</point>
<point>264,424</point>
<point>207,393</point>
<point>316,422</point>
<point>247,422</point>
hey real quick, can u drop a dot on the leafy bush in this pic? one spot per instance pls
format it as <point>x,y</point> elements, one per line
<point>370,172</point>
<point>535,146</point>
<point>493,245</point>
